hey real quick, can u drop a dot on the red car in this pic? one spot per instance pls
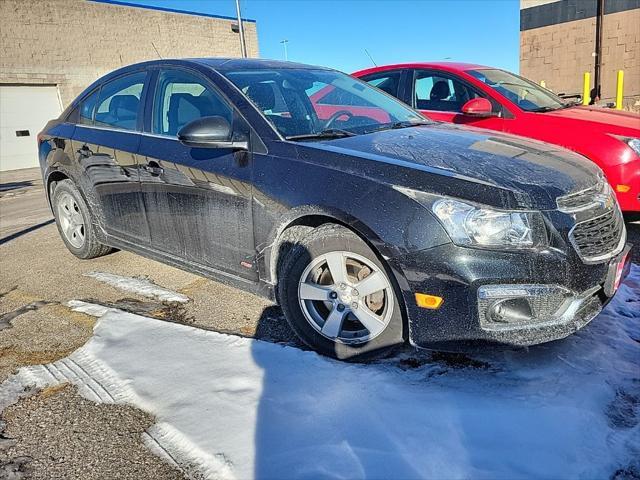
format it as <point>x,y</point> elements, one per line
<point>495,99</point>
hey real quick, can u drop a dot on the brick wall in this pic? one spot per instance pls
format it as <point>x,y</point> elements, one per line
<point>560,54</point>
<point>71,43</point>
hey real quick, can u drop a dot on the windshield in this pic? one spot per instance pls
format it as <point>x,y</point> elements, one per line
<point>524,93</point>
<point>307,103</point>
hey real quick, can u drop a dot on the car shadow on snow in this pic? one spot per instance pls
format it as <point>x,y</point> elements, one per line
<point>565,408</point>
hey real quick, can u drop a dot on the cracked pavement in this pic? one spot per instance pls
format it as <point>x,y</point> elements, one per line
<point>38,276</point>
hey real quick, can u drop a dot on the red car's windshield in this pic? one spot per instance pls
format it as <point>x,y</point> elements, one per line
<point>524,93</point>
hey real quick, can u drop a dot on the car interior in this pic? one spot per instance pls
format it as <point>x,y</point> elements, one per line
<point>443,95</point>
<point>122,112</point>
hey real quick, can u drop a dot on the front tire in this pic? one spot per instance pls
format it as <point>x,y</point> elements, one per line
<point>74,222</point>
<point>338,297</point>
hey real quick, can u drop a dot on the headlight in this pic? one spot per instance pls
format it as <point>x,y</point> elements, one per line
<point>476,226</point>
<point>634,143</point>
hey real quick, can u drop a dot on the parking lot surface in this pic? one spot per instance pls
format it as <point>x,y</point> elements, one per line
<point>39,278</point>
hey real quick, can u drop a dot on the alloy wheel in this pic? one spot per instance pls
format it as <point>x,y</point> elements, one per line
<point>346,297</point>
<point>71,220</point>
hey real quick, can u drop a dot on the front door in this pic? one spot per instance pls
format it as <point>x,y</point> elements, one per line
<point>198,200</point>
<point>440,96</point>
<point>105,143</point>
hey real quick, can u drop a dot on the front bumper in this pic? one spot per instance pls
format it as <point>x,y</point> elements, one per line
<point>457,274</point>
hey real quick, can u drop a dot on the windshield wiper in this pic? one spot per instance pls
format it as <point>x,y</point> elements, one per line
<point>396,125</point>
<point>546,109</point>
<point>324,134</point>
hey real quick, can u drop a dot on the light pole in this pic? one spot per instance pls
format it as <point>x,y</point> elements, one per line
<point>284,44</point>
<point>243,46</point>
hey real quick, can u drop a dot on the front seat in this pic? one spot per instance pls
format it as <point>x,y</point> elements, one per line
<point>440,98</point>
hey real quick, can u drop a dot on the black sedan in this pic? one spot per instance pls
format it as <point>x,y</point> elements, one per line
<point>369,224</point>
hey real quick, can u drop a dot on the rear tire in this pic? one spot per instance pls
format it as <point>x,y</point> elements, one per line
<point>331,315</point>
<point>75,222</point>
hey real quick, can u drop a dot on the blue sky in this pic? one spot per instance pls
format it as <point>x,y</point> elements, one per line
<point>336,33</point>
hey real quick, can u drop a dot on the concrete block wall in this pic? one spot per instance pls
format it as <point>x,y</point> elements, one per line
<point>71,43</point>
<point>559,54</point>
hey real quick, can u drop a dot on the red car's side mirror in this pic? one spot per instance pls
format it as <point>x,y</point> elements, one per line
<point>478,107</point>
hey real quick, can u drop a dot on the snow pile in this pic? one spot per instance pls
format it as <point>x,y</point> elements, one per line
<point>140,286</point>
<point>231,407</point>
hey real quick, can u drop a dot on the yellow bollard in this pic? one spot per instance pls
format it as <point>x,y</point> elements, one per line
<point>543,84</point>
<point>619,87</point>
<point>586,89</point>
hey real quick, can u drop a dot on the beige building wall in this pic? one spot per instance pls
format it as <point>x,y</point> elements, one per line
<point>71,43</point>
<point>560,54</point>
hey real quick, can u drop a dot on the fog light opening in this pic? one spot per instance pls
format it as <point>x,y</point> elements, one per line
<point>512,310</point>
<point>509,306</point>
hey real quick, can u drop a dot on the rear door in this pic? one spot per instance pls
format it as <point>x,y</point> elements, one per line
<point>198,200</point>
<point>441,95</point>
<point>105,142</point>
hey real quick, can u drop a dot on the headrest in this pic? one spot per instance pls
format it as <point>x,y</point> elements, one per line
<point>440,90</point>
<point>124,106</point>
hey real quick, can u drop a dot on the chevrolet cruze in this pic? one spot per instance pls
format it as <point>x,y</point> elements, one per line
<point>369,224</point>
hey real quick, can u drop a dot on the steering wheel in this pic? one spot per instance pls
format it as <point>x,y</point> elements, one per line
<point>337,115</point>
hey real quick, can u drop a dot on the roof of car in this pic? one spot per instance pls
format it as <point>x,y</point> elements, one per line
<point>448,66</point>
<point>249,63</point>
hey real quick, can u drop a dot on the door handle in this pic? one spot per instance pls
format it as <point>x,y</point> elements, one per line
<point>154,168</point>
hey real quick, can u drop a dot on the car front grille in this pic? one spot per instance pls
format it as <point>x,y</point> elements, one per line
<point>599,238</point>
<point>584,199</point>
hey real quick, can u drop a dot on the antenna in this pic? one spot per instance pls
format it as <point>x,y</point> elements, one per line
<point>284,44</point>
<point>370,57</point>
<point>157,53</point>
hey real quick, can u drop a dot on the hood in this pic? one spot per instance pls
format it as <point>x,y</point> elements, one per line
<point>607,120</point>
<point>537,173</point>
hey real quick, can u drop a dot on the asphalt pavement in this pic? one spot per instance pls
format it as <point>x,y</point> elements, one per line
<point>38,277</point>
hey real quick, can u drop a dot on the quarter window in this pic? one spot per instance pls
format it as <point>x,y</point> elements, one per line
<point>182,97</point>
<point>441,93</point>
<point>119,102</point>
<point>87,106</point>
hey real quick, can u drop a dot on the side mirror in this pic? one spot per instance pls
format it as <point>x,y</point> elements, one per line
<point>210,132</point>
<point>478,107</point>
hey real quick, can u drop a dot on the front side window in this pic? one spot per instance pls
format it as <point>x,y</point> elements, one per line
<point>524,93</point>
<point>307,102</point>
<point>182,97</point>
<point>437,92</point>
<point>119,102</point>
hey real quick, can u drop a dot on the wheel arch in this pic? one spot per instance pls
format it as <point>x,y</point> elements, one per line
<point>310,216</point>
<point>53,178</point>
<point>314,216</point>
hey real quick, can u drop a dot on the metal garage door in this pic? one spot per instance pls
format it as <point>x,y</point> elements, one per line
<point>24,111</point>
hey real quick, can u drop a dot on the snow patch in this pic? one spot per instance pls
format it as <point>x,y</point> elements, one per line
<point>140,286</point>
<point>89,308</point>
<point>230,407</point>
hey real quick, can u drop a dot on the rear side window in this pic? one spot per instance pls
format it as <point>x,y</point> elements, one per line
<point>339,97</point>
<point>388,81</point>
<point>119,102</point>
<point>182,97</point>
